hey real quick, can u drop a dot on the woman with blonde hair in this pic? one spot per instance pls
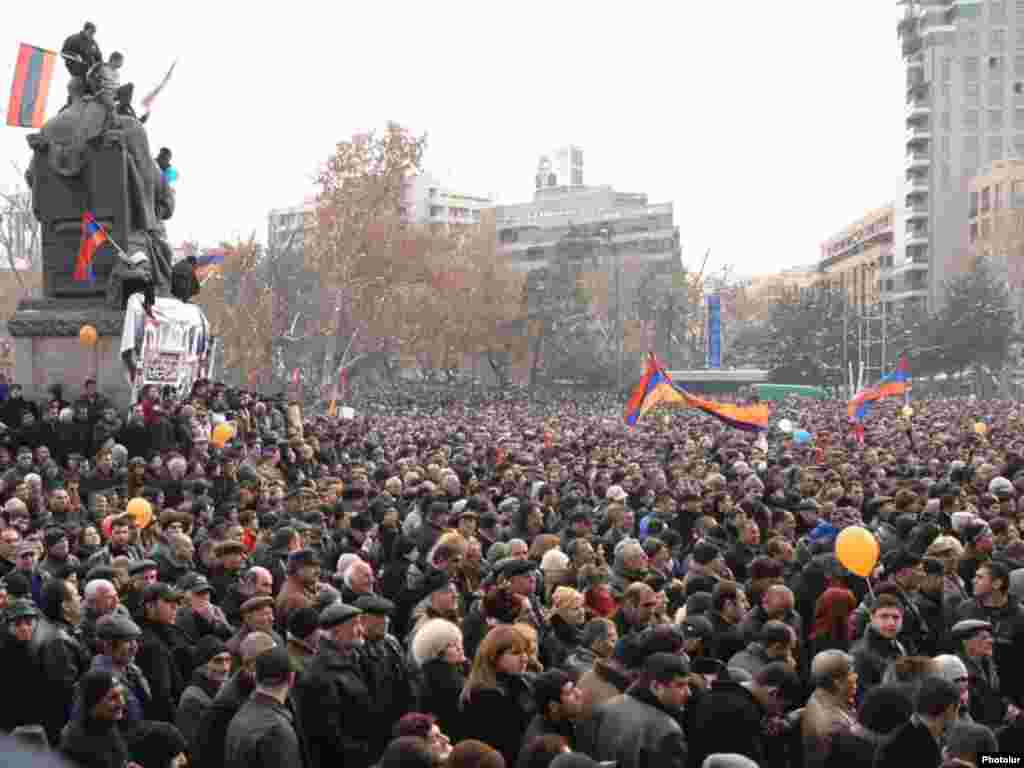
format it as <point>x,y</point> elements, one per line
<point>437,651</point>
<point>497,703</point>
<point>567,617</point>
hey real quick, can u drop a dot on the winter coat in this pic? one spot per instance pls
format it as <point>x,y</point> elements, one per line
<point>910,744</point>
<point>727,640</point>
<point>209,744</point>
<point>560,642</point>
<point>823,717</point>
<point>986,704</point>
<point>388,677</point>
<point>165,658</point>
<point>263,734</point>
<point>732,703</point>
<point>195,702</point>
<point>441,685</point>
<point>90,743</point>
<point>334,708</point>
<point>500,716</point>
<point>753,659</point>
<point>636,731</point>
<point>871,655</point>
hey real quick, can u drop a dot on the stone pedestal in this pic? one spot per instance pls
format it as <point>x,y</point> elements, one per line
<point>47,350</point>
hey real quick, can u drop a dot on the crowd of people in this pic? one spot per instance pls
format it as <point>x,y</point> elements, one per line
<point>484,581</point>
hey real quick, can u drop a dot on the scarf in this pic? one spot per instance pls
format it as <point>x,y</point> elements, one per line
<point>601,605</point>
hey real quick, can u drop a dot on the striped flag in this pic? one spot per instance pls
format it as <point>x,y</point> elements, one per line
<point>93,236</point>
<point>33,74</point>
<point>147,101</point>
<point>208,261</point>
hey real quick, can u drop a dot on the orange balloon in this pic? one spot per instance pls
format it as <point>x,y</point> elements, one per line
<point>142,511</point>
<point>221,434</point>
<point>87,335</point>
<point>857,550</point>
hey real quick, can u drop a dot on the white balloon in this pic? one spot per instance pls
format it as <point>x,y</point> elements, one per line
<point>786,425</point>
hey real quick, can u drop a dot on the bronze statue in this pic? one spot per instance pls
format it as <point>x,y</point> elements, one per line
<point>95,157</point>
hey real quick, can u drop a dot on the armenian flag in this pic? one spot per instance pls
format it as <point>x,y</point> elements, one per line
<point>891,385</point>
<point>33,74</point>
<point>208,261</point>
<point>93,236</point>
<point>656,387</point>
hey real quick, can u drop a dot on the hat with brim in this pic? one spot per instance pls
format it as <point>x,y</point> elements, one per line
<point>968,628</point>
<point>229,548</point>
<point>338,613</point>
<point>256,603</point>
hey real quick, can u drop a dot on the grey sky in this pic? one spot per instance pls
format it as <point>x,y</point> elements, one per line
<point>769,125</point>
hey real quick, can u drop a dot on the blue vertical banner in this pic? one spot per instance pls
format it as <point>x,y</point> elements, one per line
<point>714,331</point>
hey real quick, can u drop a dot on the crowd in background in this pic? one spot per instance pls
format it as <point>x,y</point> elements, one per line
<point>472,580</point>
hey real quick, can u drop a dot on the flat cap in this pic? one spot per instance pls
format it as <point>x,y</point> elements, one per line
<point>273,667</point>
<point>141,566</point>
<point>160,591</point>
<point>22,609</point>
<point>697,628</point>
<point>195,582</point>
<point>255,603</point>
<point>338,613</point>
<point>117,626</point>
<point>968,628</point>
<point>375,605</point>
<point>510,567</point>
<point>228,548</point>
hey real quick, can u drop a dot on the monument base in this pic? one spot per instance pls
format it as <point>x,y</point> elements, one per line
<point>47,350</point>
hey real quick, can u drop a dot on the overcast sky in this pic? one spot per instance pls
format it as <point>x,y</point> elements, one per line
<point>769,125</point>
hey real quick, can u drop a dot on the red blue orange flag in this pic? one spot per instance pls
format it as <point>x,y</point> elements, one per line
<point>891,385</point>
<point>93,236</point>
<point>656,387</point>
<point>33,73</point>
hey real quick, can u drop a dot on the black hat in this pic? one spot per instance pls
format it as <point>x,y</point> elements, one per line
<point>117,626</point>
<point>303,622</point>
<point>899,559</point>
<point>965,630</point>
<point>697,627</point>
<point>141,566</point>
<point>195,583</point>
<point>435,580</point>
<point>94,685</point>
<point>510,567</point>
<point>160,591</point>
<point>932,566</point>
<point>273,667</point>
<point>207,648</point>
<point>361,523</point>
<point>54,535</point>
<point>375,606</point>
<point>22,609</point>
<point>300,559</point>
<point>338,613</point>
<point>704,553</point>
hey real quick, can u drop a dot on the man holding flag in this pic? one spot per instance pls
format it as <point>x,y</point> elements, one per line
<point>80,53</point>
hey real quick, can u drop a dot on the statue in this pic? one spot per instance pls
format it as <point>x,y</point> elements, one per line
<point>94,155</point>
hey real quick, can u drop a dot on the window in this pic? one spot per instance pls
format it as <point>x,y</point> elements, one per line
<point>947,122</point>
<point>995,66</point>
<point>970,68</point>
<point>1018,65</point>
<point>972,94</point>
<point>1018,119</point>
<point>995,94</point>
<point>974,232</point>
<point>436,210</point>
<point>986,198</point>
<point>947,69</point>
<point>995,148</point>
<point>1020,33</point>
<point>997,12</point>
<point>970,37</point>
<point>995,120</point>
<point>970,119</point>
<point>944,145</point>
<point>997,40</point>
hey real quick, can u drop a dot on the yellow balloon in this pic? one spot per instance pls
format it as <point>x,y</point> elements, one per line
<point>857,550</point>
<point>980,428</point>
<point>141,510</point>
<point>908,411</point>
<point>221,434</point>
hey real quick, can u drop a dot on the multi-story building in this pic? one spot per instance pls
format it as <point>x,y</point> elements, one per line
<point>426,200</point>
<point>996,224</point>
<point>965,111</point>
<point>853,260</point>
<point>287,227</point>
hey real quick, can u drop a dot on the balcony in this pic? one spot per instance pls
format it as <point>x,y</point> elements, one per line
<point>917,213</point>
<point>918,110</point>
<point>918,161</point>
<point>918,134</point>
<point>916,239</point>
<point>905,294</point>
<point>917,187</point>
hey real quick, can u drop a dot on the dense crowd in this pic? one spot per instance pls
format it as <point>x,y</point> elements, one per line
<point>477,580</point>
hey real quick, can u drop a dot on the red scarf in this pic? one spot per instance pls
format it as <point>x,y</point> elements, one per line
<point>601,605</point>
